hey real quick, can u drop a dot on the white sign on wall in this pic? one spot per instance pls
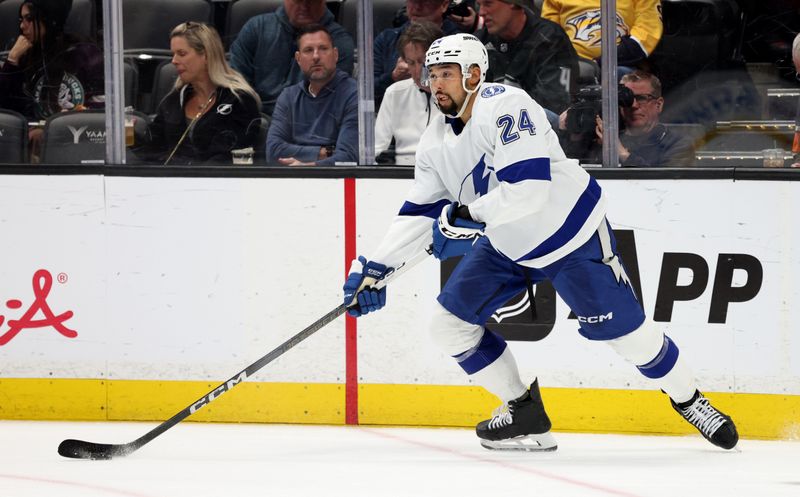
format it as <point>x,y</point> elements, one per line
<point>194,278</point>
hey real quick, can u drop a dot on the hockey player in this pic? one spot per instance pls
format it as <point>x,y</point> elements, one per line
<point>496,187</point>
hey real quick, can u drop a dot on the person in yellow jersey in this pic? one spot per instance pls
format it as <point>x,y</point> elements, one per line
<point>639,28</point>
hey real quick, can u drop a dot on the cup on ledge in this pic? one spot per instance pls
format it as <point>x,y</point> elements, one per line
<point>773,157</point>
<point>243,156</point>
<point>129,135</point>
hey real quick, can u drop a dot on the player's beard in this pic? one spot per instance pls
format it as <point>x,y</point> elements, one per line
<point>450,108</point>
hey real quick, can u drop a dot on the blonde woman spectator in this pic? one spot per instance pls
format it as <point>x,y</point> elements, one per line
<point>212,109</point>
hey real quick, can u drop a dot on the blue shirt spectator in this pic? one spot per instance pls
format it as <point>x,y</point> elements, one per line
<point>263,52</point>
<point>316,121</point>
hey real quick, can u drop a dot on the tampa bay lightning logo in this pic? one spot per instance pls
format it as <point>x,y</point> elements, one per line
<point>491,91</point>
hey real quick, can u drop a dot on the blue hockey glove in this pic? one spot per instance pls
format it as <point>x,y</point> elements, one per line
<point>454,232</point>
<point>359,293</point>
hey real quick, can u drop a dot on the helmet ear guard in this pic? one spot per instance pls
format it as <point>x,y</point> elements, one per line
<point>462,49</point>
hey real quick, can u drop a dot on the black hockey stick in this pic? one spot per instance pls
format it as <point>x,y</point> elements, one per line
<point>79,449</point>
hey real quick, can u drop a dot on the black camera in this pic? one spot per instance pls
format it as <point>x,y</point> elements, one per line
<point>458,8</point>
<point>581,115</point>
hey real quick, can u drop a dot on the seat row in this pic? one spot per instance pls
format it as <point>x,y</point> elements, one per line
<point>150,21</point>
<point>77,137</point>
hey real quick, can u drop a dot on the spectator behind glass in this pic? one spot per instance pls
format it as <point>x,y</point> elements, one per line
<point>646,142</point>
<point>316,121</point>
<point>264,49</point>
<point>639,28</point>
<point>528,52</point>
<point>389,67</point>
<point>406,109</point>
<point>47,70</point>
<point>212,109</point>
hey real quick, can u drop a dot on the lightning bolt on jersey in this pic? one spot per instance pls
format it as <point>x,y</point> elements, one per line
<point>506,164</point>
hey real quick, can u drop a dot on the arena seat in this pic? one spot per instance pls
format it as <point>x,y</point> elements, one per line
<point>13,138</point>
<point>163,81</point>
<point>152,21</point>
<point>75,137</point>
<point>131,74</point>
<point>82,20</point>
<point>703,77</point>
<point>698,35</point>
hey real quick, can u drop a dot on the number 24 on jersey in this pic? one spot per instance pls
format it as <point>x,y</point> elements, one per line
<point>507,124</point>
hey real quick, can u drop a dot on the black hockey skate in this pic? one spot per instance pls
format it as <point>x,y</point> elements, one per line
<point>521,425</point>
<point>714,425</point>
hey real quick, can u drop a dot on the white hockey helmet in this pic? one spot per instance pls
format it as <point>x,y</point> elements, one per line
<point>462,49</point>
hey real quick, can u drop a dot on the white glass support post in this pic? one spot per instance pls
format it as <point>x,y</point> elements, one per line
<point>114,82</point>
<point>608,74</point>
<point>366,87</point>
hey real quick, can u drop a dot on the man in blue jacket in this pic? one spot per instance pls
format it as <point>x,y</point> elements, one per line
<point>316,121</point>
<point>264,49</point>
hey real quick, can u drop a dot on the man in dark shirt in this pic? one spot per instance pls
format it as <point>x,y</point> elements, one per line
<point>528,52</point>
<point>646,142</point>
<point>264,49</point>
<point>316,121</point>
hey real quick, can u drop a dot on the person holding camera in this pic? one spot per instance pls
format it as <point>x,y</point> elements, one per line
<point>643,141</point>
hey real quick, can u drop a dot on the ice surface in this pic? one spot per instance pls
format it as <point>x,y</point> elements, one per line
<point>231,460</point>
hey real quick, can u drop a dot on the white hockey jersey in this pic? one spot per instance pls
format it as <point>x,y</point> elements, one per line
<point>506,164</point>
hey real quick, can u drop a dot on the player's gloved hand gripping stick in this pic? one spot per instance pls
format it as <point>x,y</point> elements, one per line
<point>454,232</point>
<point>362,292</point>
<point>79,449</point>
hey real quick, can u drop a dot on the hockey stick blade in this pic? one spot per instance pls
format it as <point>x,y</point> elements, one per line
<point>80,449</point>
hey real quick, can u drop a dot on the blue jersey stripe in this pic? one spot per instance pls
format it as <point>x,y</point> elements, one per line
<point>574,222</point>
<point>538,168</point>
<point>429,210</point>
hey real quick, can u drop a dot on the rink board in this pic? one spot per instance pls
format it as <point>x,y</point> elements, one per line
<point>174,284</point>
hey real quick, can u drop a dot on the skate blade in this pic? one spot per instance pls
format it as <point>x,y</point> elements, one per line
<point>544,442</point>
